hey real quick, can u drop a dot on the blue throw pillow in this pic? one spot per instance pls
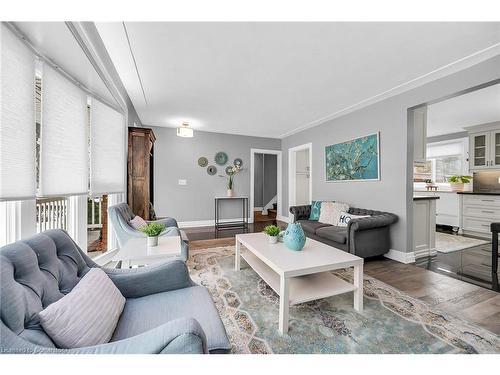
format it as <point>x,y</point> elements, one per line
<point>315,210</point>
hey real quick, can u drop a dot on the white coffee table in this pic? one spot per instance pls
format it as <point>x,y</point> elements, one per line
<point>299,276</point>
<point>137,252</point>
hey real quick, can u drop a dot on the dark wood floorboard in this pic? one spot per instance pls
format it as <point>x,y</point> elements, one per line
<point>470,302</point>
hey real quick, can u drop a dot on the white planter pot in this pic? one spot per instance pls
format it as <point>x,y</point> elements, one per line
<point>273,239</point>
<point>230,192</point>
<point>153,241</point>
<point>457,186</point>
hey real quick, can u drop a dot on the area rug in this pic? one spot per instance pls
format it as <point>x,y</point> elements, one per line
<point>391,322</point>
<point>449,243</point>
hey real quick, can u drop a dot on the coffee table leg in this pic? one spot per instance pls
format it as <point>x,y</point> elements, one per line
<point>358,283</point>
<point>237,256</point>
<point>284,305</point>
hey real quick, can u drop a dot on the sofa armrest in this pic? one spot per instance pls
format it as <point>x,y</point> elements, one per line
<point>300,212</point>
<point>375,221</point>
<point>179,336</point>
<point>139,282</point>
<point>167,221</point>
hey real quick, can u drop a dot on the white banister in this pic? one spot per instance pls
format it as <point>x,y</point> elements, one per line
<point>51,213</point>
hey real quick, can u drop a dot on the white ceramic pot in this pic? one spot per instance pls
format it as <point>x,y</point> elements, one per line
<point>153,241</point>
<point>273,239</point>
<point>457,186</point>
<point>230,192</point>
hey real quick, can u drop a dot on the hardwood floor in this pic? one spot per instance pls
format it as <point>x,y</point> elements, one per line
<point>470,302</point>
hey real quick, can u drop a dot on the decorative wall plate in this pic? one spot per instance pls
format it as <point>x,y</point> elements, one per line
<point>229,169</point>
<point>203,161</point>
<point>221,158</point>
<point>211,170</point>
<point>238,162</point>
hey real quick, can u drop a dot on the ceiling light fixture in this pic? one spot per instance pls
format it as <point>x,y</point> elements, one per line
<point>185,131</point>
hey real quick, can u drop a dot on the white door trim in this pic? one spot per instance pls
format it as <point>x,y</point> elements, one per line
<point>254,151</point>
<point>291,172</point>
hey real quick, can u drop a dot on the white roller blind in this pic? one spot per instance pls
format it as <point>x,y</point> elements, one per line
<point>17,118</point>
<point>107,150</point>
<point>435,150</point>
<point>64,152</point>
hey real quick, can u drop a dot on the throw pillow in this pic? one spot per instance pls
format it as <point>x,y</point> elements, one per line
<point>137,222</point>
<point>327,213</point>
<point>338,207</point>
<point>315,210</point>
<point>87,315</point>
<point>345,218</point>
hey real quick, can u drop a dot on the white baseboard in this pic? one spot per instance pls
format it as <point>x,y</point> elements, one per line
<point>425,253</point>
<point>205,223</point>
<point>401,256</point>
<point>286,219</point>
<point>258,208</point>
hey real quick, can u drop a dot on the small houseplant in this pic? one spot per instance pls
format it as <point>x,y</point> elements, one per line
<point>152,230</point>
<point>272,232</point>
<point>457,182</point>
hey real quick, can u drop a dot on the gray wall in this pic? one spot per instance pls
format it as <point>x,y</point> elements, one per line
<point>389,117</point>
<point>176,158</point>
<point>265,178</point>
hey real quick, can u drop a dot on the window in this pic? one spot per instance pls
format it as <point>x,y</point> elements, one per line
<point>444,159</point>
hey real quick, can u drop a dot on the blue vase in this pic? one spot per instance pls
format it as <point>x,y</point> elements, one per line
<point>294,237</point>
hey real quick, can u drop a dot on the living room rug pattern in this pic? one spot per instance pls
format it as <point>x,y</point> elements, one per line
<point>391,322</point>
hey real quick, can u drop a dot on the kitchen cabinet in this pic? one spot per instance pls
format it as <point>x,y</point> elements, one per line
<point>447,207</point>
<point>424,225</point>
<point>478,211</point>
<point>484,146</point>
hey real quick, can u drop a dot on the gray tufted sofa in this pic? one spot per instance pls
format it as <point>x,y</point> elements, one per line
<point>120,214</point>
<point>165,311</point>
<point>365,237</point>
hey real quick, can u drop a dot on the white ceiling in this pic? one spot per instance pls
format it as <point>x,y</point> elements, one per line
<point>475,108</point>
<point>270,79</point>
<point>54,40</point>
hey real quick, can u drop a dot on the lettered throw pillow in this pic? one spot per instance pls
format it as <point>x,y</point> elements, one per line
<point>330,212</point>
<point>137,222</point>
<point>87,315</point>
<point>315,210</point>
<point>345,218</point>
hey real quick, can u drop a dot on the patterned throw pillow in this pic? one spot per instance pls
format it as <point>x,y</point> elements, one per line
<point>315,210</point>
<point>330,212</point>
<point>345,218</point>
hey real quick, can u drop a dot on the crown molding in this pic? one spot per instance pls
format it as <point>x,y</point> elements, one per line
<point>456,66</point>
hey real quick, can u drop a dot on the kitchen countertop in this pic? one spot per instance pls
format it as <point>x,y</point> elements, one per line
<point>424,197</point>
<point>477,193</point>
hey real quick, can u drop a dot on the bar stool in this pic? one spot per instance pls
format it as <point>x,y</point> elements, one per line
<point>495,229</point>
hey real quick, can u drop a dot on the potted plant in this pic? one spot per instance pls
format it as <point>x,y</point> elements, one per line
<point>231,172</point>
<point>152,230</point>
<point>457,182</point>
<point>272,232</point>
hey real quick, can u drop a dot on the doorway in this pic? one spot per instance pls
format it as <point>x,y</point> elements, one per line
<point>265,185</point>
<point>300,175</point>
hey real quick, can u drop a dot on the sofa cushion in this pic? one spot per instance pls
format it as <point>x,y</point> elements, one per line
<point>148,312</point>
<point>333,233</point>
<point>87,315</point>
<point>310,226</point>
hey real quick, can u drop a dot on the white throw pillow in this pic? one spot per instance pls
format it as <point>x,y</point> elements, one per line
<point>345,218</point>
<point>137,222</point>
<point>330,212</point>
<point>87,315</point>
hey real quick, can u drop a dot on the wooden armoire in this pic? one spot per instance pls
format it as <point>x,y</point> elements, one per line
<point>140,170</point>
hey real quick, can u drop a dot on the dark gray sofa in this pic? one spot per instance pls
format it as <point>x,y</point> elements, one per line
<point>366,237</point>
